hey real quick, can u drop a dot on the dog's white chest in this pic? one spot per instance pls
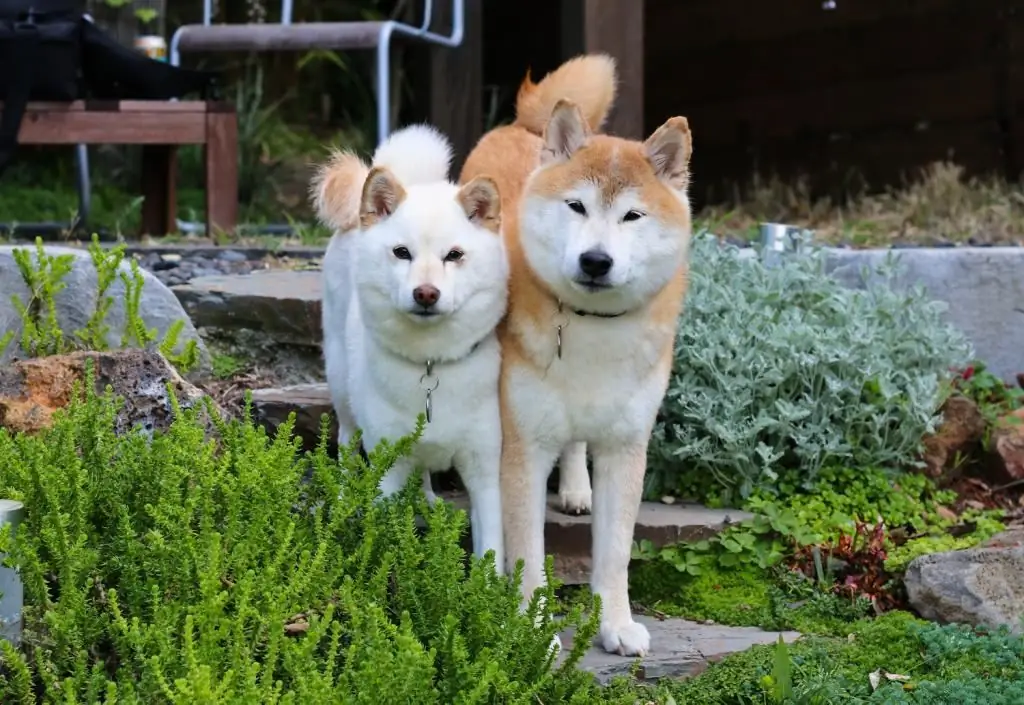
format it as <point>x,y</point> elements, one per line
<point>606,382</point>
<point>389,392</point>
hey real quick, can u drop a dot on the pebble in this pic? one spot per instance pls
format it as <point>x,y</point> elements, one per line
<point>174,268</point>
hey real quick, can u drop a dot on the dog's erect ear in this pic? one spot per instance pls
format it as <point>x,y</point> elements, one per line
<point>565,132</point>
<point>482,202</point>
<point>382,195</point>
<point>669,150</point>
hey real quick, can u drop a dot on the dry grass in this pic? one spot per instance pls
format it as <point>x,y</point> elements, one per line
<point>941,205</point>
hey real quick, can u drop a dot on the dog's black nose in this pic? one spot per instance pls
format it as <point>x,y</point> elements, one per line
<point>596,263</point>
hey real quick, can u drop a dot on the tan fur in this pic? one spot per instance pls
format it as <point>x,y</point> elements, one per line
<point>658,168</point>
<point>381,196</point>
<point>482,203</point>
<point>335,190</point>
<point>588,81</point>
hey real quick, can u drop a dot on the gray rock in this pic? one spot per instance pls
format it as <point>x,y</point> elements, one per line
<point>977,586</point>
<point>75,303</point>
<point>283,305</point>
<point>679,649</point>
<point>231,256</point>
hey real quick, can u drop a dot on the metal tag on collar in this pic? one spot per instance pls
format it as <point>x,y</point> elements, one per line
<point>429,383</point>
<point>561,322</point>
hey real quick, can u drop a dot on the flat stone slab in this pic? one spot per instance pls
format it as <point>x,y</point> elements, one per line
<point>309,402</point>
<point>679,649</point>
<point>283,305</point>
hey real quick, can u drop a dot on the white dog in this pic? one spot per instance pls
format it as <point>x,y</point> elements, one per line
<point>415,281</point>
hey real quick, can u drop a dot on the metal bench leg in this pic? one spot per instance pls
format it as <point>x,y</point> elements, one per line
<point>384,84</point>
<point>84,189</point>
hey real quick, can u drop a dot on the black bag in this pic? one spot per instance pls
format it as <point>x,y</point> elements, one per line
<point>50,51</point>
<point>40,49</point>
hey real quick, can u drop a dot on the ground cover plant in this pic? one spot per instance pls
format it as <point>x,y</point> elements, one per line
<point>892,660</point>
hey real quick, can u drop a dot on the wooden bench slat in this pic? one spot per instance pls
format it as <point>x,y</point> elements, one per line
<point>80,127</point>
<point>277,37</point>
<point>160,127</point>
<point>126,106</point>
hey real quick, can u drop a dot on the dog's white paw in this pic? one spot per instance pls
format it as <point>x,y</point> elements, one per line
<point>625,639</point>
<point>575,501</point>
<point>556,645</point>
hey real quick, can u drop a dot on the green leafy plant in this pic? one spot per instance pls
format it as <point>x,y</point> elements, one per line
<point>41,334</point>
<point>214,564</point>
<point>41,331</point>
<point>783,368</point>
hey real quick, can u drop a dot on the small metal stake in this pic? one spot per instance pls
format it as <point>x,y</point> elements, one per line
<point>11,591</point>
<point>779,240</point>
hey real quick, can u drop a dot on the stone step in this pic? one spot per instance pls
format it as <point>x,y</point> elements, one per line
<point>567,536</point>
<point>309,402</point>
<point>282,305</point>
<point>679,649</point>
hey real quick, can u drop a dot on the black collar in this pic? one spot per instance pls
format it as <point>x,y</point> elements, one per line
<point>435,363</point>
<point>596,314</point>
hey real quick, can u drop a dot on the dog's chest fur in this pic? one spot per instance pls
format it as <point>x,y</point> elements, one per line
<point>607,384</point>
<point>388,392</point>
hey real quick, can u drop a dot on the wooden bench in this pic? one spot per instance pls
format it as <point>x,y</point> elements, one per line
<point>160,127</point>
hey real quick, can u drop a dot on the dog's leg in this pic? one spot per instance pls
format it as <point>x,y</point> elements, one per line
<point>574,494</point>
<point>618,485</point>
<point>396,478</point>
<point>524,471</point>
<point>428,487</point>
<point>480,475</point>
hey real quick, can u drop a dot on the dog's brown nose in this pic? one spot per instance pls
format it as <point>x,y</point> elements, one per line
<point>426,295</point>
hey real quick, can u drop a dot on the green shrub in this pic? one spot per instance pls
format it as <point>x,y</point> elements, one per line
<point>201,568</point>
<point>41,332</point>
<point>782,368</point>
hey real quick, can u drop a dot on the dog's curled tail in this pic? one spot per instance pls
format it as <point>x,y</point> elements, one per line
<point>336,190</point>
<point>589,81</point>
<point>417,154</point>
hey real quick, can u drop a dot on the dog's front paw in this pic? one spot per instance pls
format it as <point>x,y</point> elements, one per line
<point>575,501</point>
<point>625,639</point>
<point>556,645</point>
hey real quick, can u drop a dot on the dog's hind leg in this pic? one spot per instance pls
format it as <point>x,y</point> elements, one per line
<point>574,494</point>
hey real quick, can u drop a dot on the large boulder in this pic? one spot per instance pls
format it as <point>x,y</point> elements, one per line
<point>32,390</point>
<point>76,302</point>
<point>978,586</point>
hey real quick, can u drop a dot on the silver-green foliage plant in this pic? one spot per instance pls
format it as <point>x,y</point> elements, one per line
<point>783,368</point>
<point>214,564</point>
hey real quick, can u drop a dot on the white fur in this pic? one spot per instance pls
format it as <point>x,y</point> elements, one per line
<point>417,154</point>
<point>376,349</point>
<point>603,394</point>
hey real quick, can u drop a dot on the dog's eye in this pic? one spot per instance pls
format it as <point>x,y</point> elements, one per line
<point>632,215</point>
<point>576,207</point>
<point>453,256</point>
<point>402,252</point>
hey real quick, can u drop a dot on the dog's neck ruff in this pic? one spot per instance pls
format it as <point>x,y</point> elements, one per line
<point>562,322</point>
<point>429,381</point>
